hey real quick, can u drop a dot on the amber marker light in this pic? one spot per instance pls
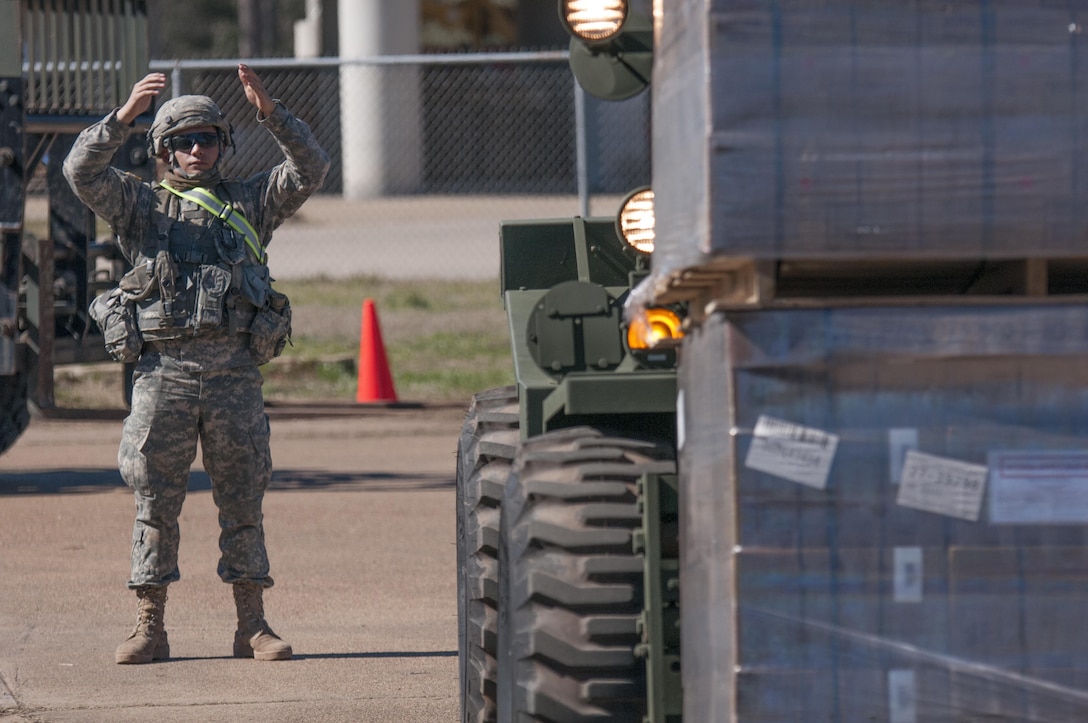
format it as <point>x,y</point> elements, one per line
<point>654,327</point>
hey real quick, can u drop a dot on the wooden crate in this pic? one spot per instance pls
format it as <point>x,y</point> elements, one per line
<point>862,130</point>
<point>790,586</point>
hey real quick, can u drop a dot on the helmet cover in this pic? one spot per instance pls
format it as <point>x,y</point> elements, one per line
<point>184,112</point>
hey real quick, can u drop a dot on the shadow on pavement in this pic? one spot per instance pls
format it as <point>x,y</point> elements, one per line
<point>55,481</point>
<point>97,480</point>
<point>366,481</point>
<point>329,656</point>
<point>377,654</point>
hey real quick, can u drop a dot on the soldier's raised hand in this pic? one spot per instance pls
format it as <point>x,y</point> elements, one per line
<point>142,95</point>
<point>254,89</point>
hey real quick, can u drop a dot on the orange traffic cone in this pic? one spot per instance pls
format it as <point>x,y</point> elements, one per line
<point>375,381</point>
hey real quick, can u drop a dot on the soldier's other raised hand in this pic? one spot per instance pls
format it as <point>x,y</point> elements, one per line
<point>142,95</point>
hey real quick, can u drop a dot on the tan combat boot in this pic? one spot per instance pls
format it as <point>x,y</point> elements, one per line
<point>254,638</point>
<point>148,640</point>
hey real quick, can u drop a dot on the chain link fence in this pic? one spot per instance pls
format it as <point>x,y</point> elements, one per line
<point>429,153</point>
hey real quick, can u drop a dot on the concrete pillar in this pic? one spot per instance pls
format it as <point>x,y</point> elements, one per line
<point>308,32</point>
<point>380,106</point>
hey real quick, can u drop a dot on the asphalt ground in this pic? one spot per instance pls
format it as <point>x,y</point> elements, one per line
<point>361,534</point>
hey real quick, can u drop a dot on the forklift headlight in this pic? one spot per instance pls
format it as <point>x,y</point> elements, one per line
<point>593,21</point>
<point>635,223</point>
<point>654,327</point>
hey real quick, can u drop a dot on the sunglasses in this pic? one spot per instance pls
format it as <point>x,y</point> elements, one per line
<point>185,141</point>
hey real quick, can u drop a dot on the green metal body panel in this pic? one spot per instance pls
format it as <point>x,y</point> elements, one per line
<point>658,543</point>
<point>535,385</point>
<point>12,185</point>
<point>642,392</point>
<point>10,49</point>
<point>564,282</point>
<point>540,254</point>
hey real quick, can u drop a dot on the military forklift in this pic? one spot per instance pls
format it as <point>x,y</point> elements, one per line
<point>62,67</point>
<point>870,214</point>
<point>568,599</point>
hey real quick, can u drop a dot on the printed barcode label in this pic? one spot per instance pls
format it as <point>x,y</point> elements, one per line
<point>942,486</point>
<point>908,578</point>
<point>771,427</point>
<point>902,695</point>
<point>792,451</point>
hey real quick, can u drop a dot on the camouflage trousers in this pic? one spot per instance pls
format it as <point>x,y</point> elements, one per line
<point>171,409</point>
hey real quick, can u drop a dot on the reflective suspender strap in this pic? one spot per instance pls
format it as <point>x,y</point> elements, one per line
<point>237,221</point>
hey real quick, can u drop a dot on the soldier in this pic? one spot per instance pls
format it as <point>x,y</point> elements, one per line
<point>200,317</point>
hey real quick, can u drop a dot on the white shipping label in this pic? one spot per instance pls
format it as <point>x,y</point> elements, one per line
<point>907,581</point>
<point>791,451</point>
<point>942,486</point>
<point>1040,488</point>
<point>902,697</point>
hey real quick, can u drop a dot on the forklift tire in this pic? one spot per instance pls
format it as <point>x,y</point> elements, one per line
<point>14,415</point>
<point>485,453</point>
<point>570,582</point>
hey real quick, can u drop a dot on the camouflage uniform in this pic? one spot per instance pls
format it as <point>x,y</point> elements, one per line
<point>195,382</point>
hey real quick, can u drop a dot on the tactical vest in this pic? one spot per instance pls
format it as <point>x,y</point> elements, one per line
<point>197,273</point>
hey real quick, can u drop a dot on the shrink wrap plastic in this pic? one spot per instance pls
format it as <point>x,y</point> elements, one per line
<point>885,514</point>
<point>870,129</point>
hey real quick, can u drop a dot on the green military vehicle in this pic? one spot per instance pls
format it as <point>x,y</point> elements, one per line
<point>566,492</point>
<point>860,494</point>
<point>566,481</point>
<point>62,67</point>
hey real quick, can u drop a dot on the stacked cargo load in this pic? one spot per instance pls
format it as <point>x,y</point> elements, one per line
<point>875,211</point>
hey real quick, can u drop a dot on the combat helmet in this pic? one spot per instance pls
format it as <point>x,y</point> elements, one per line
<point>183,112</point>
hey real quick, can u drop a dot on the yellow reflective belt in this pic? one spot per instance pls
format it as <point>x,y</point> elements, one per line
<point>211,203</point>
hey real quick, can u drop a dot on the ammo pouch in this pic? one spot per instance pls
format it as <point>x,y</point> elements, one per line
<point>271,328</point>
<point>212,285</point>
<point>115,315</point>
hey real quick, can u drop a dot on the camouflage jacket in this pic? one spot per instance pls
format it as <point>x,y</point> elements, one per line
<point>134,209</point>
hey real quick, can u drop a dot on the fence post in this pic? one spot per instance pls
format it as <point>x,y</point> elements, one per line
<point>175,81</point>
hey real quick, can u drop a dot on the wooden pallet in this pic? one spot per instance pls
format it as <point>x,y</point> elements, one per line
<point>734,283</point>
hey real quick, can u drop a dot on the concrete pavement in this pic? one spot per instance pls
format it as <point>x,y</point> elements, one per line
<point>396,237</point>
<point>361,534</point>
